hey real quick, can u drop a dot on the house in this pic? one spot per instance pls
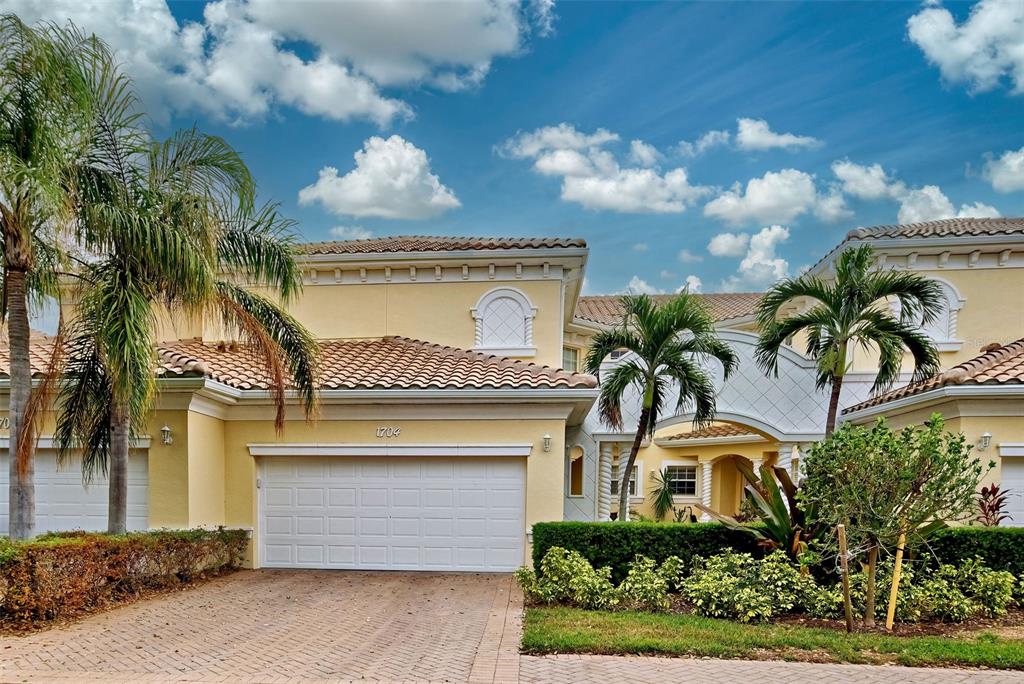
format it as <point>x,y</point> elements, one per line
<point>454,415</point>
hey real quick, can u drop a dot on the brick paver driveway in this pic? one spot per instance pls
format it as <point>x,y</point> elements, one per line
<point>313,626</point>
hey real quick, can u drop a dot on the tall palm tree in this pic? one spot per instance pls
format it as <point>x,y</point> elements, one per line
<point>669,342</point>
<point>178,232</point>
<point>853,310</point>
<point>44,114</point>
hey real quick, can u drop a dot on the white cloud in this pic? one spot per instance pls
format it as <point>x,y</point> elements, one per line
<point>668,275</point>
<point>640,247</point>
<point>729,244</point>
<point>978,210</point>
<point>685,256</point>
<point>593,178</point>
<point>391,179</point>
<point>237,62</point>
<point>865,182</point>
<point>1006,173</point>
<point>693,285</point>
<point>986,48</point>
<point>643,153</point>
<point>761,266</point>
<point>703,143</point>
<point>638,285</point>
<point>754,134</point>
<point>776,197</point>
<point>350,233</point>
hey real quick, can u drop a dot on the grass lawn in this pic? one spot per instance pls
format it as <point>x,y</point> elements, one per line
<point>569,630</point>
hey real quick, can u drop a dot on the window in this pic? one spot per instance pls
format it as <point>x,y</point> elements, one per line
<point>570,359</point>
<point>943,330</point>
<point>576,471</point>
<point>618,354</point>
<point>633,481</point>
<point>682,479</point>
<point>504,322</point>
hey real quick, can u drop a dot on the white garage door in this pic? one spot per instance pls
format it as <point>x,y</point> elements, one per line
<point>1013,481</point>
<point>392,513</point>
<point>63,503</point>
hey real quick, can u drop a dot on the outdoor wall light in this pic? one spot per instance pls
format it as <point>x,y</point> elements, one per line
<point>165,435</point>
<point>547,442</point>
<point>985,441</point>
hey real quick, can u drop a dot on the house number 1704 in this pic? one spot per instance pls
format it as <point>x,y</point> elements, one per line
<point>389,431</point>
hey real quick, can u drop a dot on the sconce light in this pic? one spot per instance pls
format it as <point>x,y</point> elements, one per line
<point>547,442</point>
<point>165,435</point>
<point>985,441</point>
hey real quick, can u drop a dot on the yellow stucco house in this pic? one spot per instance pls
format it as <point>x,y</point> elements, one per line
<point>454,416</point>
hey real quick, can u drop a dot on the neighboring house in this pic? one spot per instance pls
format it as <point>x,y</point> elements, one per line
<point>453,416</point>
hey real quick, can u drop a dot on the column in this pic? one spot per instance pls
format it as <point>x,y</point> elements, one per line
<point>604,481</point>
<point>786,458</point>
<point>705,489</point>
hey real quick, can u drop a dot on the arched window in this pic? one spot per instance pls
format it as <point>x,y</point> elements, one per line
<point>942,330</point>
<point>504,323</point>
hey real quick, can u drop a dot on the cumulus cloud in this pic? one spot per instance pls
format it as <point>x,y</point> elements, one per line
<point>638,285</point>
<point>729,244</point>
<point>593,178</point>
<point>391,179</point>
<point>761,266</point>
<point>350,233</point>
<point>926,203</point>
<point>776,197</point>
<point>703,143</point>
<point>238,63</point>
<point>692,285</point>
<point>1006,172</point>
<point>755,134</point>
<point>985,49</point>
<point>685,256</point>
<point>668,275</point>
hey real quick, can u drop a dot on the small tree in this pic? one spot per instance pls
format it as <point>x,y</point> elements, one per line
<point>883,484</point>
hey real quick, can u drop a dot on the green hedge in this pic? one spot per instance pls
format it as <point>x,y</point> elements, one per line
<point>62,574</point>
<point>616,544</point>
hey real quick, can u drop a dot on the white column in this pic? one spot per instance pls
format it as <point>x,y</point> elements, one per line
<point>604,481</point>
<point>786,457</point>
<point>705,489</point>
<point>756,463</point>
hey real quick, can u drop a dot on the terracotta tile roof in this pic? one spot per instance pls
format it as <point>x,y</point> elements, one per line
<point>954,227</point>
<point>428,243</point>
<point>607,309</point>
<point>388,363</point>
<point>1003,365</point>
<point>712,432</point>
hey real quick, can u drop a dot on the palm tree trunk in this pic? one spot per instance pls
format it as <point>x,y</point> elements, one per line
<point>117,501</point>
<point>833,405</point>
<point>22,507</point>
<point>641,430</point>
<point>869,591</point>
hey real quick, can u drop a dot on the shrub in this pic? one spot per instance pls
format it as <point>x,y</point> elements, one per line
<point>615,545</point>
<point>567,577</point>
<point>674,570</point>
<point>741,587</point>
<point>827,600</point>
<point>999,548</point>
<point>61,574</point>
<point>645,587</point>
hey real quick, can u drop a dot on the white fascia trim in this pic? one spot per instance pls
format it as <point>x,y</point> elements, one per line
<point>935,395</point>
<point>915,243</point>
<point>1011,449</point>
<point>51,443</point>
<point>379,450</point>
<point>370,258</point>
<point>709,441</point>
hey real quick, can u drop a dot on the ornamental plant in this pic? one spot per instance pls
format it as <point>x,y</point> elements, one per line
<point>739,587</point>
<point>992,506</point>
<point>884,484</point>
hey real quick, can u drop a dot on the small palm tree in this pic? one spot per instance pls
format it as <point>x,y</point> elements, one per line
<point>175,227</point>
<point>853,310</point>
<point>669,342</point>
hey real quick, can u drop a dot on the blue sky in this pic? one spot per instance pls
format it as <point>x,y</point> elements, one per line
<point>519,120</point>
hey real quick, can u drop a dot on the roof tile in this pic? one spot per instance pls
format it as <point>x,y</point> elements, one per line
<point>607,309</point>
<point>429,243</point>
<point>713,432</point>
<point>954,227</point>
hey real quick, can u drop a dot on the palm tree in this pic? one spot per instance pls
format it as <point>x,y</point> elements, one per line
<point>669,342</point>
<point>44,113</point>
<point>853,310</point>
<point>177,229</point>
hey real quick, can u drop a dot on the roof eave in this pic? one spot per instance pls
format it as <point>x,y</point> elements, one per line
<point>933,396</point>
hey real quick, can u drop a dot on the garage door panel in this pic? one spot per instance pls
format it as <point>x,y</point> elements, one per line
<point>401,513</point>
<point>1013,481</point>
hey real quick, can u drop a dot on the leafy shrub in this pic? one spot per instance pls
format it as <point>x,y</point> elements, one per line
<point>827,600</point>
<point>62,574</point>
<point>645,587</point>
<point>991,591</point>
<point>944,598</point>
<point>999,548</point>
<point>567,577</point>
<point>674,570</point>
<point>615,545</point>
<point>741,587</point>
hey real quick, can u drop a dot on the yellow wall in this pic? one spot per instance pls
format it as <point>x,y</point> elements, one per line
<point>206,470</point>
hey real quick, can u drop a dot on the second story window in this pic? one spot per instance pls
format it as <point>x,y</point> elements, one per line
<point>504,323</point>
<point>570,359</point>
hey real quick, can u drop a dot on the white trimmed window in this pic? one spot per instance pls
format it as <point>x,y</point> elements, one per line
<point>634,482</point>
<point>682,479</point>
<point>570,359</point>
<point>943,330</point>
<point>574,479</point>
<point>504,323</point>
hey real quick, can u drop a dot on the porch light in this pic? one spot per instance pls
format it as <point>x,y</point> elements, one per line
<point>985,441</point>
<point>547,442</point>
<point>165,435</point>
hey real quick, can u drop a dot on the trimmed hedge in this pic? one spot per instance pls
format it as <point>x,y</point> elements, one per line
<point>56,575</point>
<point>615,545</point>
